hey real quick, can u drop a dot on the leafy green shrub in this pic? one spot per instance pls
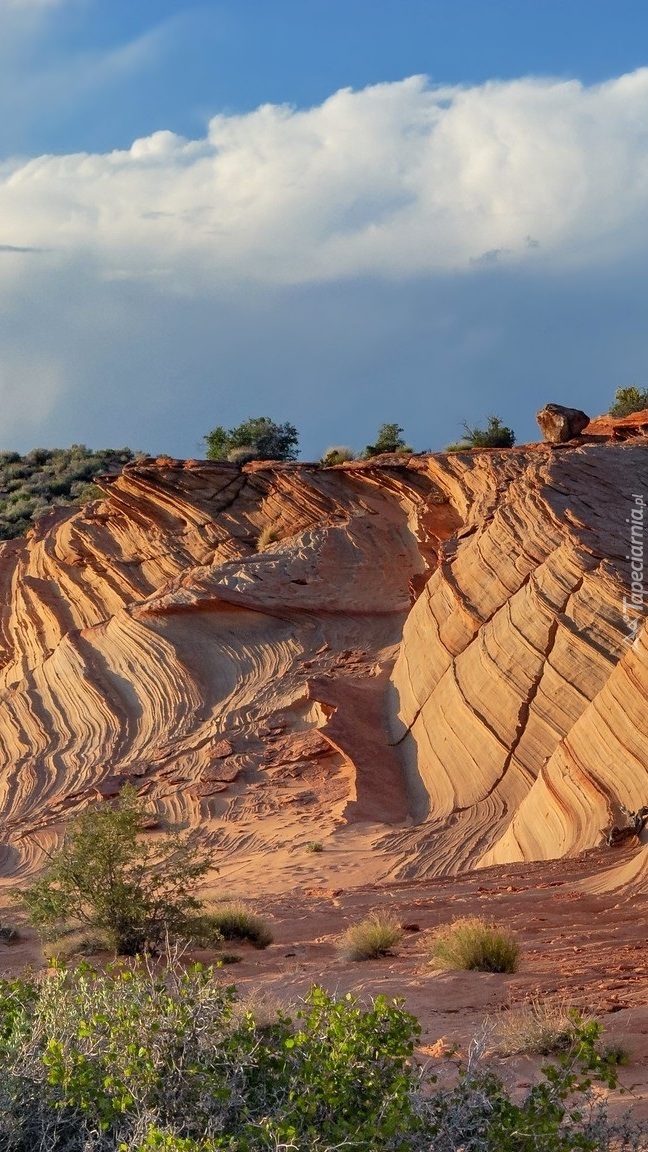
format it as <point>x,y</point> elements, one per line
<point>472,944</point>
<point>371,938</point>
<point>138,1059</point>
<point>560,1113</point>
<point>629,400</point>
<point>234,921</point>
<point>133,1059</point>
<point>616,1054</point>
<point>113,882</point>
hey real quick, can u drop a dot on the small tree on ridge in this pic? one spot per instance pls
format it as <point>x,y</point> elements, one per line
<point>263,438</point>
<point>389,439</point>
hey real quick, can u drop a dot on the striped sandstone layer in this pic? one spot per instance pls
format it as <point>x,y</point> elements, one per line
<point>432,652</point>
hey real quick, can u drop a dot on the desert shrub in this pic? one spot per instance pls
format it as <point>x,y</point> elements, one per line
<point>9,934</point>
<point>629,400</point>
<point>132,1059</point>
<point>560,1112</point>
<point>472,944</point>
<point>46,478</point>
<point>267,439</point>
<point>389,439</point>
<point>339,454</point>
<point>372,937</point>
<point>235,921</point>
<point>314,846</point>
<point>109,880</point>
<point>494,435</point>
<point>268,535</point>
<point>616,1054</point>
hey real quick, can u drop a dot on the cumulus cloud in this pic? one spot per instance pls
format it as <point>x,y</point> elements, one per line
<point>397,180</point>
<point>433,244</point>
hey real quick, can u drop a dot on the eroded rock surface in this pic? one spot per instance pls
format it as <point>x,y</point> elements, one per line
<point>434,651</point>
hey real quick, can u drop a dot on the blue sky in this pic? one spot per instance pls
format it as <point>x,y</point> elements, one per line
<point>338,212</point>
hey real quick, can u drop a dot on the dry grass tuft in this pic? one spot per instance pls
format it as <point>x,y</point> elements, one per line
<point>471,944</point>
<point>268,535</point>
<point>374,936</point>
<point>233,920</point>
<point>537,1028</point>
<point>76,944</point>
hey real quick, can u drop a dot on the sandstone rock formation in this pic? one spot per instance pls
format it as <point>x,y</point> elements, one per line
<point>558,424</point>
<point>619,428</point>
<point>435,654</point>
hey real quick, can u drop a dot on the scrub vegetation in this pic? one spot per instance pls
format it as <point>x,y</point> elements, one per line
<point>50,477</point>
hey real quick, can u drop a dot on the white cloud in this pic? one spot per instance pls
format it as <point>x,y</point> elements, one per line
<point>404,245</point>
<point>397,180</point>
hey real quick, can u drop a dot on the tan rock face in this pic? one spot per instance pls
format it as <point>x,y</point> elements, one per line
<point>520,696</point>
<point>559,424</point>
<point>435,650</point>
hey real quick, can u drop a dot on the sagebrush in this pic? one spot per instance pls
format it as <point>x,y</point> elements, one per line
<point>50,477</point>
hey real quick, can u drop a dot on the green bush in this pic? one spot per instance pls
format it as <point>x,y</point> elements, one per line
<point>371,938</point>
<point>138,1059</point>
<point>337,455</point>
<point>472,944</point>
<point>235,921</point>
<point>261,436</point>
<point>629,400</point>
<point>495,435</point>
<point>389,439</point>
<point>560,1113</point>
<point>112,881</point>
